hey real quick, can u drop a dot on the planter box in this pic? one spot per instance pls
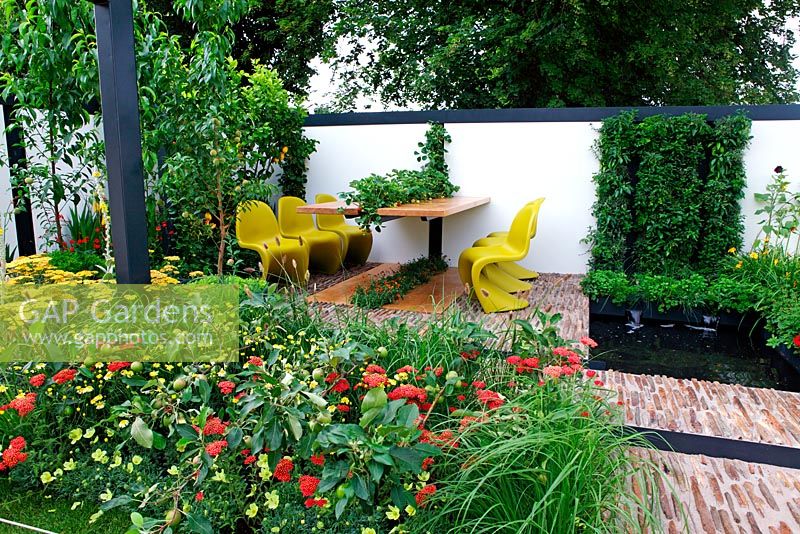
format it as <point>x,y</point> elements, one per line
<point>604,307</point>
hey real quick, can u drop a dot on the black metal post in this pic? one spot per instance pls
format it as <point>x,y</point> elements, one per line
<point>435,230</point>
<point>120,104</point>
<point>23,218</point>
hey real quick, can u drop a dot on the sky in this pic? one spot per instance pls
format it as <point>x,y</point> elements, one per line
<point>324,82</point>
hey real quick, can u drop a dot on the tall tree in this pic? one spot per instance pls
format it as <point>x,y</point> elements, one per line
<point>284,35</point>
<point>521,53</point>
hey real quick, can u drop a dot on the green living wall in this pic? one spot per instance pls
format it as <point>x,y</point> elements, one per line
<point>668,193</point>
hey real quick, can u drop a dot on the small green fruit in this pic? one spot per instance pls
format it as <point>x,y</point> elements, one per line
<point>29,181</point>
<point>137,367</point>
<point>341,491</point>
<point>68,410</point>
<point>318,374</point>
<point>179,384</point>
<point>324,418</point>
<point>452,375</point>
<point>247,440</point>
<point>382,352</point>
<point>173,518</point>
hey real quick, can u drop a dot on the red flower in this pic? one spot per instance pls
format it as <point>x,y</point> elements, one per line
<point>283,471</point>
<point>37,380</point>
<point>318,459</point>
<point>406,369</point>
<point>331,377</point>
<point>589,342</point>
<point>198,496</point>
<point>117,366</point>
<point>17,443</point>
<point>427,463</point>
<point>796,340</point>
<point>479,384</point>
<point>343,408</point>
<point>64,375</point>
<point>513,360</point>
<point>341,386</point>
<point>255,361</point>
<point>598,383</point>
<point>372,368</point>
<point>216,447</point>
<point>590,373</point>
<point>308,485</point>
<point>23,405</point>
<point>490,398</point>
<point>374,380</point>
<point>406,391</point>
<point>461,398</point>
<point>315,502</point>
<point>214,427</point>
<point>584,414</point>
<point>226,387</point>
<point>423,494</point>
<point>250,459</point>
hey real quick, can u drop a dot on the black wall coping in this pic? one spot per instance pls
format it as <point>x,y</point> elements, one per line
<point>771,112</point>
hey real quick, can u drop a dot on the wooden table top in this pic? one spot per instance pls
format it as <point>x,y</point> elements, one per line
<point>438,207</point>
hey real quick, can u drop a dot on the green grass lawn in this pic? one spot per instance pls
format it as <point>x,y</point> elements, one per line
<point>36,510</point>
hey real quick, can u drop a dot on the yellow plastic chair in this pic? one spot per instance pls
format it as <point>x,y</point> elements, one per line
<point>473,261</point>
<point>356,243</point>
<point>510,268</point>
<point>325,247</point>
<point>257,229</point>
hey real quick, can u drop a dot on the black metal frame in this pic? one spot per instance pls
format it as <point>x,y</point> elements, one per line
<point>23,219</point>
<point>770,112</point>
<point>121,128</point>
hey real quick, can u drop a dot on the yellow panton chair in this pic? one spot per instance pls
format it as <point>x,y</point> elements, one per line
<point>473,261</point>
<point>356,243</point>
<point>509,268</point>
<point>257,229</point>
<point>325,247</point>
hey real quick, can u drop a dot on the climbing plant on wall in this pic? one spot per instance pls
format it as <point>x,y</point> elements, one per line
<point>612,207</point>
<point>668,193</point>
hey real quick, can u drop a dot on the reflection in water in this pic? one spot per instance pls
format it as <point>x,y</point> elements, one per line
<point>681,351</point>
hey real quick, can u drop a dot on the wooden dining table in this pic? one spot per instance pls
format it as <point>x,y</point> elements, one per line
<point>432,211</point>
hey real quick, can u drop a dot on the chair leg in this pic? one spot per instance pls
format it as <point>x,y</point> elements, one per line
<point>517,271</point>
<point>494,299</point>
<point>503,280</point>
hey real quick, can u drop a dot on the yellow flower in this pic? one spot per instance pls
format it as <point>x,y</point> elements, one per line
<point>70,465</point>
<point>754,255</point>
<point>46,477</point>
<point>106,495</point>
<point>219,476</point>
<point>123,423</point>
<point>99,455</point>
<point>368,530</point>
<point>410,510</point>
<point>273,500</point>
<point>739,265</point>
<point>393,513</point>
<point>252,510</point>
<point>732,250</point>
<point>136,460</point>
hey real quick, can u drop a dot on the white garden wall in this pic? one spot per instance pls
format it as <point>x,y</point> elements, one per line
<point>512,162</point>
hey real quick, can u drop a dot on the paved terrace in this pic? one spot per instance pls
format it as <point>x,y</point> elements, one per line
<point>719,495</point>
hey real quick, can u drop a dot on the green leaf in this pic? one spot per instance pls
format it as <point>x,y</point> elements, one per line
<point>369,416</point>
<point>340,506</point>
<point>295,427</point>
<point>375,398</point>
<point>137,520</point>
<point>199,524</point>
<point>141,433</point>
<point>375,471</point>
<point>234,437</point>
<point>116,501</point>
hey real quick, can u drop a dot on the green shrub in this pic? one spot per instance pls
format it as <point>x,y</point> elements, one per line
<point>613,285</point>
<point>386,289</point>
<point>80,260</point>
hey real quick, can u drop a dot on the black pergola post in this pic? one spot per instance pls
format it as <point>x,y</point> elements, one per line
<point>121,129</point>
<point>23,216</point>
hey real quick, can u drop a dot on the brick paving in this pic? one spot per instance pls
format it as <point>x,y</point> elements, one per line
<point>706,495</point>
<point>719,495</point>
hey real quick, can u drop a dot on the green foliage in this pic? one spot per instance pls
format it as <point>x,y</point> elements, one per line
<point>387,289</point>
<point>667,200</point>
<point>86,230</point>
<point>284,35</point>
<point>781,211</point>
<point>723,189</point>
<point>655,211</point>
<point>405,186</point>
<point>727,292</point>
<point>497,53</point>
<point>47,62</point>
<point>614,198</point>
<point>522,470</point>
<point>77,261</point>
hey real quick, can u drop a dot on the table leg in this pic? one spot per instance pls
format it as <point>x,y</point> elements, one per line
<point>435,229</point>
